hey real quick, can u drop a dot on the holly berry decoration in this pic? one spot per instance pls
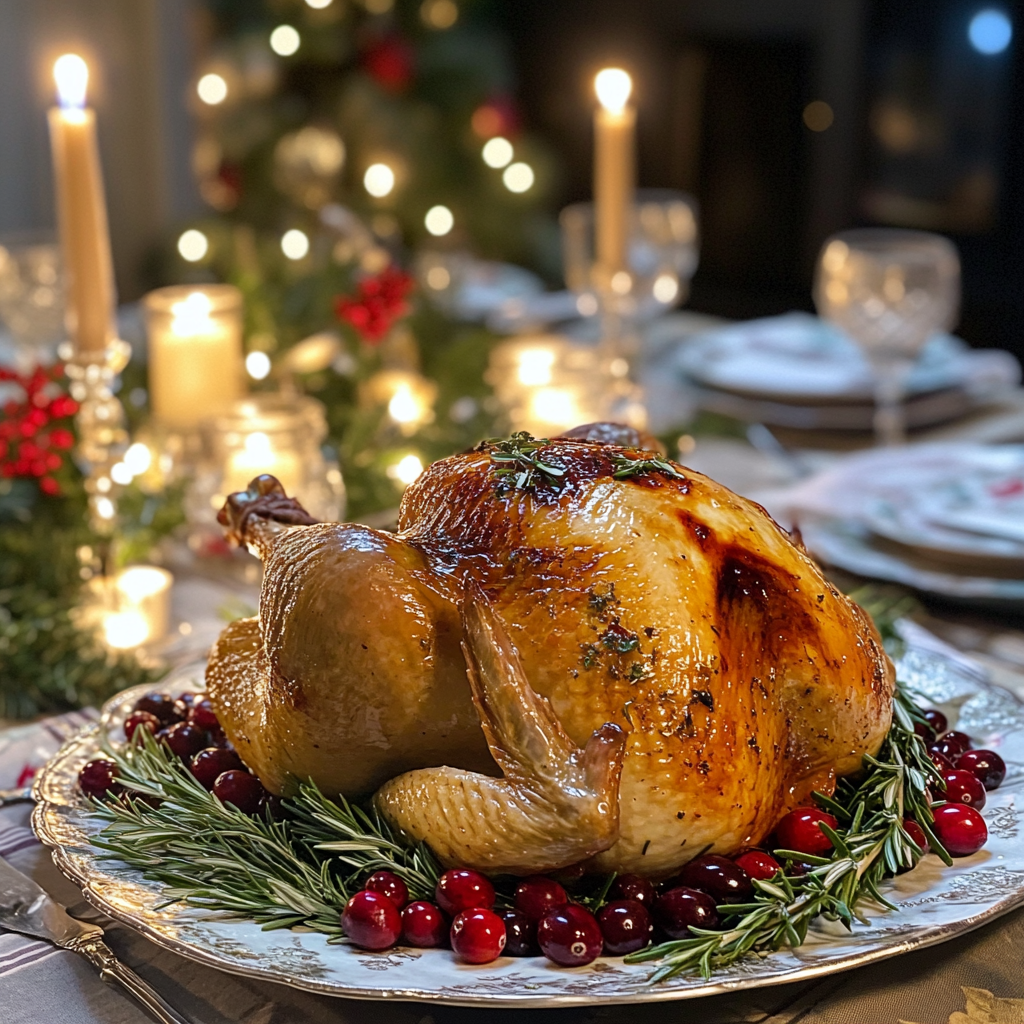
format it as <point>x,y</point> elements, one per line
<point>378,303</point>
<point>390,61</point>
<point>35,431</point>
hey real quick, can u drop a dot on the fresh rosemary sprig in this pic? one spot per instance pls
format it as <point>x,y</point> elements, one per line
<point>623,467</point>
<point>870,843</point>
<point>300,870</point>
<point>519,466</point>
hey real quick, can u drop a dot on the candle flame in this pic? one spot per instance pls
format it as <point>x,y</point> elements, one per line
<point>613,86</point>
<point>71,74</point>
<point>191,315</point>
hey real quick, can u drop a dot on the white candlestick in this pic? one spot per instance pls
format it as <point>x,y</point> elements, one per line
<point>195,352</point>
<point>82,211</point>
<point>614,168</point>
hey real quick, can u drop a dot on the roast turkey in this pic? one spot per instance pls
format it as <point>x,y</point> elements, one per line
<point>571,651</point>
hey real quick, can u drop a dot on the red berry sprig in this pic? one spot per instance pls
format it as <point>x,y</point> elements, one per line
<point>379,302</point>
<point>35,434</point>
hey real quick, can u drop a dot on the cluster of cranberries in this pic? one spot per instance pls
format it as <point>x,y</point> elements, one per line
<point>967,773</point>
<point>188,727</point>
<point>543,918</point>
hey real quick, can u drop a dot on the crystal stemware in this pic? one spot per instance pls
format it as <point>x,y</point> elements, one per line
<point>889,290</point>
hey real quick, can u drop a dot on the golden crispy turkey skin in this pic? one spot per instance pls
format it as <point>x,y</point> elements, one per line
<point>660,603</point>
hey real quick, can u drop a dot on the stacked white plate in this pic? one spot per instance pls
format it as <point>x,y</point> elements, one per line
<point>797,371</point>
<point>944,518</point>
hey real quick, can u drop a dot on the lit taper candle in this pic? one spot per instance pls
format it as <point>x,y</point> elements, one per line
<point>614,167</point>
<point>82,210</point>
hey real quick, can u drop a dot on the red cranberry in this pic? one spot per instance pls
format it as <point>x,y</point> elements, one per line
<point>423,925</point>
<point>461,889</point>
<point>634,887</point>
<point>185,740</point>
<point>218,738</point>
<point>202,715</point>
<point>145,719</point>
<point>188,698</point>
<point>536,896</point>
<point>371,920</point>
<point>626,927</point>
<point>99,778</point>
<point>952,744</point>
<point>917,834</point>
<point>159,704</point>
<point>943,763</point>
<point>799,831</point>
<point>719,877</point>
<point>570,936</point>
<point>925,731</point>
<point>520,934</point>
<point>681,907</point>
<point>961,829</point>
<point>387,883</point>
<point>963,788</point>
<point>758,864</point>
<point>937,720</point>
<point>241,789</point>
<point>213,761</point>
<point>985,765</point>
<point>478,935</point>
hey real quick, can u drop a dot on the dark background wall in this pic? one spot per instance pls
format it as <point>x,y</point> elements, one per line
<point>925,132</point>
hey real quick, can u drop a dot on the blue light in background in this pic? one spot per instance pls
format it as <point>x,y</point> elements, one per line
<point>990,31</point>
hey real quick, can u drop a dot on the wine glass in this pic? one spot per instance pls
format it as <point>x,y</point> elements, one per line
<point>32,295</point>
<point>889,290</point>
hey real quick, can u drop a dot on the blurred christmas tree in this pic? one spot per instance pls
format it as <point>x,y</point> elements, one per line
<point>341,137</point>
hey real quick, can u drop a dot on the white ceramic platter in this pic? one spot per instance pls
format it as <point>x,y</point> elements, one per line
<point>934,903</point>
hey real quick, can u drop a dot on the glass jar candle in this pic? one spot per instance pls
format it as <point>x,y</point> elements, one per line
<point>281,435</point>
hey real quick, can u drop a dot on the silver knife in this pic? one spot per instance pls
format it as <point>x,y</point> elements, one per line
<point>27,909</point>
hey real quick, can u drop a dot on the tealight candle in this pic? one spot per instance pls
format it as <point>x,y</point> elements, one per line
<point>142,607</point>
<point>614,168</point>
<point>82,211</point>
<point>257,456</point>
<point>195,352</point>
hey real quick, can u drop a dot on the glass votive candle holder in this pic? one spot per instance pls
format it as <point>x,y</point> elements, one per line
<point>546,384</point>
<point>661,255</point>
<point>195,359</point>
<point>281,435</point>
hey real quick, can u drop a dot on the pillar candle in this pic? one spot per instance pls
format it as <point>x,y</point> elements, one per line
<point>82,211</point>
<point>195,352</point>
<point>614,168</point>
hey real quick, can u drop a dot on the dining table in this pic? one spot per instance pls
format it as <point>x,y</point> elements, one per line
<point>976,977</point>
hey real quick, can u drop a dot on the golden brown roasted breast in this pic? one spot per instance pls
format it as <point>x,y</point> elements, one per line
<point>663,604</point>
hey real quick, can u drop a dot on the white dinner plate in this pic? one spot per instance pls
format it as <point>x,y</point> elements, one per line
<point>935,903</point>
